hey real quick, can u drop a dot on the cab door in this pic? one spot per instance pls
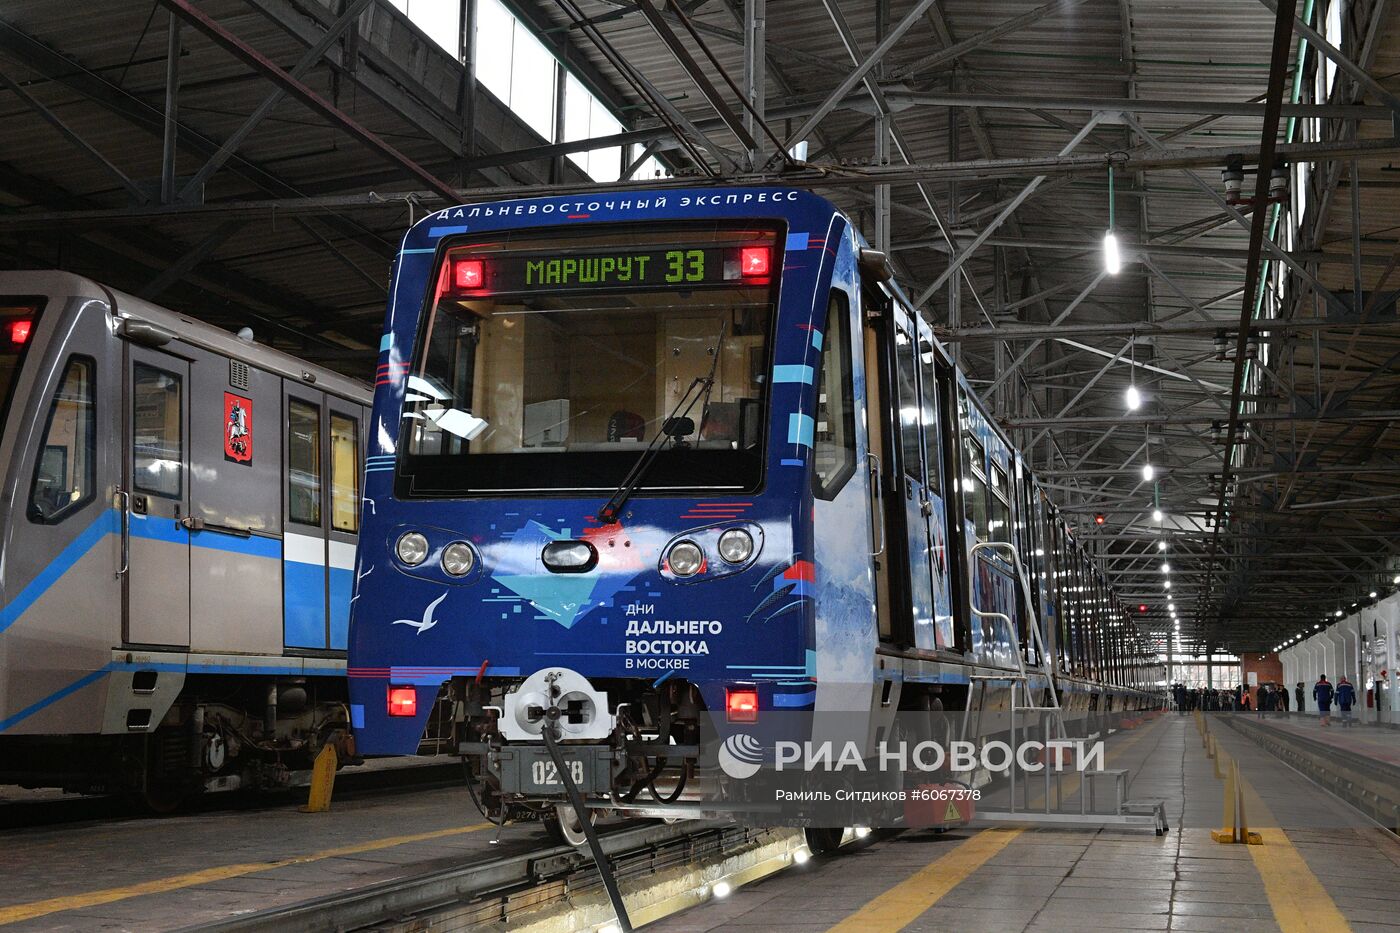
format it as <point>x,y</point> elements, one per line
<point>156,520</point>
<point>235,500</point>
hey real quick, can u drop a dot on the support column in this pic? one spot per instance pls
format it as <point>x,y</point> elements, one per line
<point>755,73</point>
<point>466,97</point>
<point>882,138</point>
<point>172,114</point>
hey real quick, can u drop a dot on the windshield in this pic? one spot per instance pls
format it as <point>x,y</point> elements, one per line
<point>547,363</point>
<point>18,319</point>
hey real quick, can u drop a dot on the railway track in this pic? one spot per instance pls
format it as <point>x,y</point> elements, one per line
<point>493,890</point>
<point>1369,786</point>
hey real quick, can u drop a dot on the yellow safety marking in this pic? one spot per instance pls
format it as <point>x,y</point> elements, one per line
<point>1300,901</point>
<point>18,912</point>
<point>906,901</point>
<point>318,798</point>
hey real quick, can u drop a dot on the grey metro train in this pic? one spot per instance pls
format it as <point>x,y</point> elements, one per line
<point>179,512</point>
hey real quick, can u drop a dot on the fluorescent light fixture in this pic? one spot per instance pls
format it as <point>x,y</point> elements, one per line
<point>1161,545</point>
<point>1156,515</point>
<point>1132,398</point>
<point>1166,567</point>
<point>1112,258</point>
<point>1148,472</point>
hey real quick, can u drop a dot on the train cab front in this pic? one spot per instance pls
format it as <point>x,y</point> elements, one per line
<point>583,523</point>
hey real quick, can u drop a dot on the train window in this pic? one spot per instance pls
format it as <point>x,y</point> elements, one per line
<point>303,462</point>
<point>999,525</point>
<point>345,474</point>
<point>65,476</point>
<point>910,451</point>
<point>550,361</point>
<point>157,431</point>
<point>974,486</point>
<point>834,448</point>
<point>933,476</point>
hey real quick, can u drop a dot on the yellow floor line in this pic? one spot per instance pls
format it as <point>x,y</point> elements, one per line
<point>902,904</point>
<point>906,901</point>
<point>1300,901</point>
<point>18,912</point>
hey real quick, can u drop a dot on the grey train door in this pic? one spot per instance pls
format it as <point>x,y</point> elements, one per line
<point>157,519</point>
<point>236,501</point>
<point>322,499</point>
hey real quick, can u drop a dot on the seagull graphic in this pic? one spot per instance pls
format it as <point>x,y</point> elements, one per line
<point>428,620</point>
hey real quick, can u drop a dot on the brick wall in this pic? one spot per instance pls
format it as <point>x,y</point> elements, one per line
<point>1270,668</point>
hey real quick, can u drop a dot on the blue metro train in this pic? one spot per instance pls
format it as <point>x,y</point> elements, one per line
<point>645,457</point>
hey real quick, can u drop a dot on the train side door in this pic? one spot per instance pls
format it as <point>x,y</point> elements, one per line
<point>235,500</point>
<point>344,457</point>
<point>305,622</point>
<point>158,513</point>
<point>879,422</point>
<point>933,379</point>
<point>914,491</point>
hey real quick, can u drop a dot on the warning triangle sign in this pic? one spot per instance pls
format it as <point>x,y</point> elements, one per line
<point>951,815</point>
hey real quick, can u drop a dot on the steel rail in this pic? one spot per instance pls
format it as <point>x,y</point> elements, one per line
<point>448,887</point>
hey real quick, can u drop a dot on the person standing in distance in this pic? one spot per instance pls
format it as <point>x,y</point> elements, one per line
<point>1322,693</point>
<point>1346,696</point>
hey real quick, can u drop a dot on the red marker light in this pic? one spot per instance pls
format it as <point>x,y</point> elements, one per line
<point>19,331</point>
<point>741,704</point>
<point>468,274</point>
<point>753,260</point>
<point>1142,608</point>
<point>1098,519</point>
<point>403,701</point>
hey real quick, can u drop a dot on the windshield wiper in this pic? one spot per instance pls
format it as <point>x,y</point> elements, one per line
<point>676,424</point>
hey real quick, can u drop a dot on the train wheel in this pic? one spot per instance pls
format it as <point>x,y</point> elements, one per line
<point>824,841</point>
<point>566,827</point>
<point>163,799</point>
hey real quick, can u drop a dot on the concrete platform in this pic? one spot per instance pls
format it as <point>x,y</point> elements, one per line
<point>161,874</point>
<point>1322,866</point>
<point>1378,743</point>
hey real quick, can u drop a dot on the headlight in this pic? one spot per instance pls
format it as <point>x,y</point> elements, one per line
<point>685,559</point>
<point>412,548</point>
<point>457,558</point>
<point>736,545</point>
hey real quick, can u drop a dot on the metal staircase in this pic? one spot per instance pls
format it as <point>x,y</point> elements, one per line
<point>1145,814</point>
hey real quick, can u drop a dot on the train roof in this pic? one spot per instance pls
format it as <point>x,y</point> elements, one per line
<point>187,329</point>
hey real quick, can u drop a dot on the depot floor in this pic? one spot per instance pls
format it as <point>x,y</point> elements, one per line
<point>1321,866</point>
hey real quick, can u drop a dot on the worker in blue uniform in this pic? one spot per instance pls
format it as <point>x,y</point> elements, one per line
<point>1346,696</point>
<point>1322,693</point>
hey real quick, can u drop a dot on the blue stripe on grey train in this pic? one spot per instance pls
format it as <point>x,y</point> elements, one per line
<point>179,515</point>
